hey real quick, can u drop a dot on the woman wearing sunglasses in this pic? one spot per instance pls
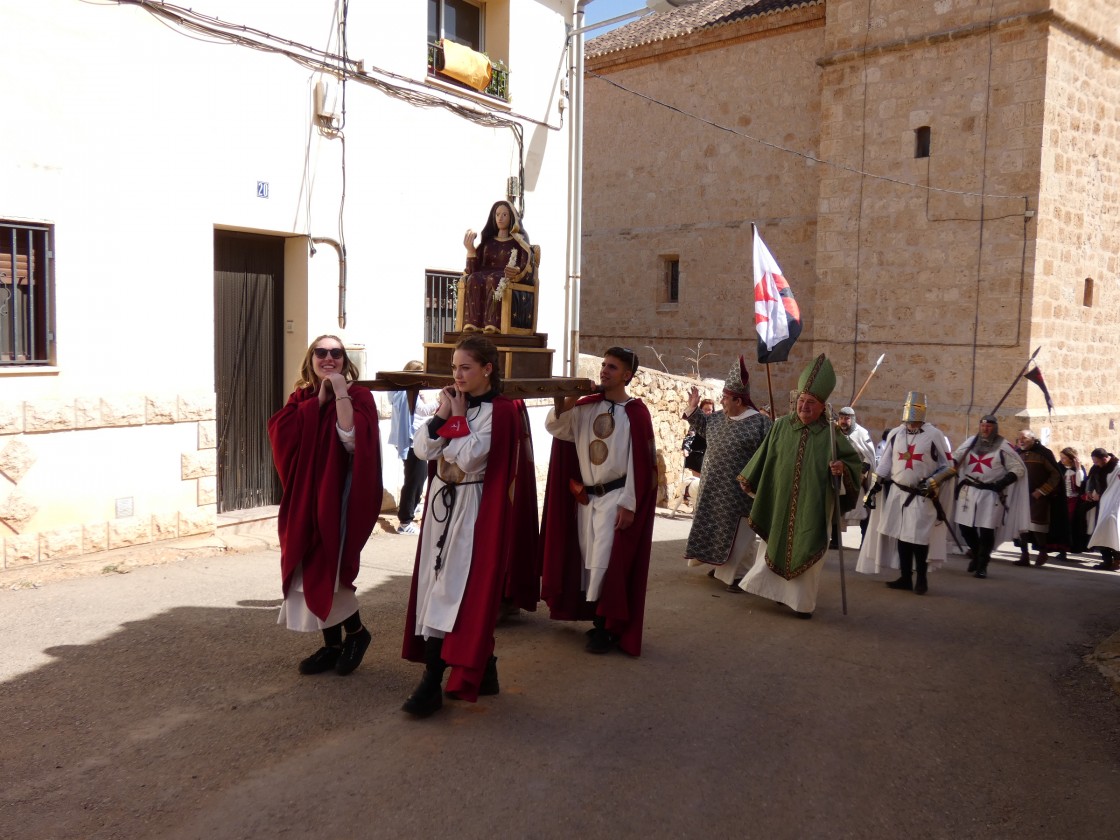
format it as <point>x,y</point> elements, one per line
<point>328,454</point>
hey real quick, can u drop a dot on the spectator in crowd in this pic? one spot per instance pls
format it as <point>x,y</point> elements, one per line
<point>411,409</point>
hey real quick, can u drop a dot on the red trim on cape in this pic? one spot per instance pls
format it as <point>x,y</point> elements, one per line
<point>312,465</point>
<point>468,647</point>
<point>622,601</point>
<point>523,580</point>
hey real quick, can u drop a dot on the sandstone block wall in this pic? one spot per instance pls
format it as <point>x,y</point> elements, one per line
<point>658,183</point>
<point>43,523</point>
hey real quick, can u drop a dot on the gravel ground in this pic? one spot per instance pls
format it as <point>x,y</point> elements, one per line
<point>153,696</point>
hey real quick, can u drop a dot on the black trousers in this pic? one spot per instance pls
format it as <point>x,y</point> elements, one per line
<point>415,472</point>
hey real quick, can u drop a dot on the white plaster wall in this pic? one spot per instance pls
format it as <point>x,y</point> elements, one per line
<point>136,141</point>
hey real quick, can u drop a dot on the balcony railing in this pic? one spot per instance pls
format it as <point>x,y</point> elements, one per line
<point>499,80</point>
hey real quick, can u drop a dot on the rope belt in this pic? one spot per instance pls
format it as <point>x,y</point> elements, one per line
<point>446,494</point>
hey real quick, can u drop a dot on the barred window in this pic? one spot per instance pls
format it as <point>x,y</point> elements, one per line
<point>26,294</point>
<point>439,304</point>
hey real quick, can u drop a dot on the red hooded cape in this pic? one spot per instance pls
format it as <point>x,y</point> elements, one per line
<point>468,647</point>
<point>312,465</point>
<point>523,580</point>
<point>622,601</point>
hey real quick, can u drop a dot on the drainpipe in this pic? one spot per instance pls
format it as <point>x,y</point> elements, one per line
<point>341,251</point>
<point>575,194</point>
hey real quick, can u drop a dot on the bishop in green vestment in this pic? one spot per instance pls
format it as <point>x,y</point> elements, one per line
<point>790,478</point>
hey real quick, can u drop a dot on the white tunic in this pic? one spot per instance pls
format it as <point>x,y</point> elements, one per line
<point>452,510</point>
<point>980,508</point>
<point>1107,531</point>
<point>909,458</point>
<point>861,443</point>
<point>890,521</point>
<point>799,594</point>
<point>595,521</point>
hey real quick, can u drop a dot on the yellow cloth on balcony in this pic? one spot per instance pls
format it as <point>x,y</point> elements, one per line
<point>465,65</point>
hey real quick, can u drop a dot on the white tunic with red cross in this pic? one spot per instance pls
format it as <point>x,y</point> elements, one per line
<point>909,458</point>
<point>977,507</point>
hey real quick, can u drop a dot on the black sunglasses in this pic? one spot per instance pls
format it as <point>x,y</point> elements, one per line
<point>333,352</point>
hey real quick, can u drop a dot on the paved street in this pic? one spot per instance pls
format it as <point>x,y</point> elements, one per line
<point>165,703</point>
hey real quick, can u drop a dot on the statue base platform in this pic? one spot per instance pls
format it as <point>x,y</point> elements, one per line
<point>519,356</point>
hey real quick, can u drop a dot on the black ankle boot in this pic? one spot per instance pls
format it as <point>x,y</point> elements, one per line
<point>427,698</point>
<point>489,685</point>
<point>903,583</point>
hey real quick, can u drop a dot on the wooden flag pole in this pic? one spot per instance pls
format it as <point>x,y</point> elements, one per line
<point>1015,381</point>
<point>770,391</point>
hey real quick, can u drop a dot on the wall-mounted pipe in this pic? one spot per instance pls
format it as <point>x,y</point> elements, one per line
<point>341,251</point>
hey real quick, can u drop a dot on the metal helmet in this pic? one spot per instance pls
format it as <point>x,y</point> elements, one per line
<point>914,409</point>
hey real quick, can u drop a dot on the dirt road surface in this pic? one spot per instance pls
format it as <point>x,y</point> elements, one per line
<point>165,703</point>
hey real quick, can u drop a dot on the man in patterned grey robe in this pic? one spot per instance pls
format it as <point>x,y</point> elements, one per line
<point>720,536</point>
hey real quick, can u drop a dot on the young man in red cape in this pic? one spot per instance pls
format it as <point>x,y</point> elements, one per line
<point>602,490</point>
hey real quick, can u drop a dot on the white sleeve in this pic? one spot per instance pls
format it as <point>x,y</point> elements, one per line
<point>469,453</point>
<point>426,447</point>
<point>346,437</point>
<point>562,427</point>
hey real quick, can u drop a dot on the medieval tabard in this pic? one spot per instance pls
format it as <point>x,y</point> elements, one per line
<point>981,503</point>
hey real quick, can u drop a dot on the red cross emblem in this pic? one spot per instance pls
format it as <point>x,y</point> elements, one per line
<point>978,462</point>
<point>909,456</point>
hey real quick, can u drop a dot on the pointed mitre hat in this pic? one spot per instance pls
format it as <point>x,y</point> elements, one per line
<point>818,378</point>
<point>738,382</point>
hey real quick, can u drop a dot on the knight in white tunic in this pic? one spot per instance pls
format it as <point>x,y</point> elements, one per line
<point>913,473</point>
<point>991,506</point>
<point>861,442</point>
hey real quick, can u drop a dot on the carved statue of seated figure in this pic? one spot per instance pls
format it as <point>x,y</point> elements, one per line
<point>497,292</point>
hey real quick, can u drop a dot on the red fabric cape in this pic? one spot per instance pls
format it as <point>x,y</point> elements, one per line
<point>468,647</point>
<point>523,581</point>
<point>622,601</point>
<point>312,465</point>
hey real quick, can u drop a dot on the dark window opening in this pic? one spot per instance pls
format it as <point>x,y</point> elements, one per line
<point>921,142</point>
<point>672,279</point>
<point>455,20</point>
<point>1087,298</point>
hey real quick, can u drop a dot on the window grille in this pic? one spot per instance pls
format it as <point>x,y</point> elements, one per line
<point>439,304</point>
<point>26,294</point>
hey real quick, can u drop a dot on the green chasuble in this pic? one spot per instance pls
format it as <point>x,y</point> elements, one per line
<point>792,488</point>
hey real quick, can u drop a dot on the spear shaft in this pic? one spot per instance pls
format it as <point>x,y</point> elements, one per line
<point>836,510</point>
<point>1015,381</point>
<point>859,393</point>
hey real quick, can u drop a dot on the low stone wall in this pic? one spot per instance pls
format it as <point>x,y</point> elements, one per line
<point>35,527</point>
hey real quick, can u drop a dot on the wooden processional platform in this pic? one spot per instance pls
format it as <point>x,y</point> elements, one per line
<point>525,361</point>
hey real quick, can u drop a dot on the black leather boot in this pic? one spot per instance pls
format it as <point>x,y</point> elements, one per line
<point>427,698</point>
<point>906,566</point>
<point>489,685</point>
<point>921,587</point>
